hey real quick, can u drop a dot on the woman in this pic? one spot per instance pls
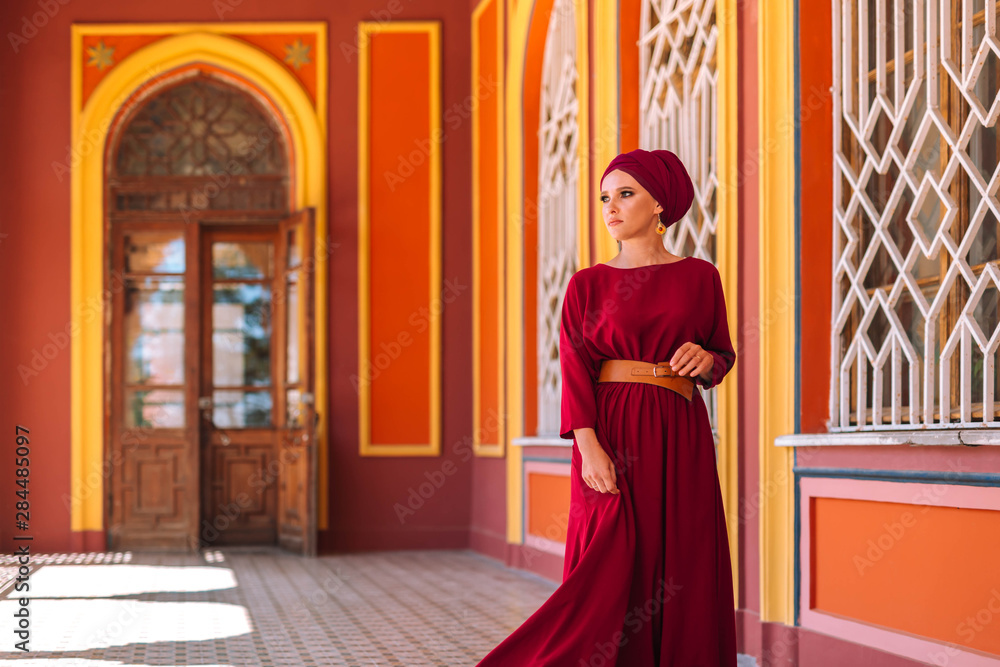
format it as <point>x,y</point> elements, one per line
<point>646,576</point>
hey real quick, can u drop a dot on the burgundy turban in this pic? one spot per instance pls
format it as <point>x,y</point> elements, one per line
<point>663,175</point>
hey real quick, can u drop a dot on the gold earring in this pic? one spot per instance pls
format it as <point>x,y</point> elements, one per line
<point>660,229</point>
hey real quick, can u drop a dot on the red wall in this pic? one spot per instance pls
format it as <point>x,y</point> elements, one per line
<point>488,501</point>
<point>34,266</point>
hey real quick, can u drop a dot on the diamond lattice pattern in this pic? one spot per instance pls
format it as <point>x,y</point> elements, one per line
<point>915,327</point>
<point>678,111</point>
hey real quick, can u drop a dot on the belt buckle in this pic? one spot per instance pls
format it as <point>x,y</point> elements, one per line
<point>655,366</point>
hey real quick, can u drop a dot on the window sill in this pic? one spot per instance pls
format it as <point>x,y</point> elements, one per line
<point>928,437</point>
<point>536,441</point>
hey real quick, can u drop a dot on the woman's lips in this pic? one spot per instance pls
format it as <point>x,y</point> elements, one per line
<point>613,223</point>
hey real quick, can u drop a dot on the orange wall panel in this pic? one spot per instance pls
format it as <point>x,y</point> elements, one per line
<point>929,570</point>
<point>297,52</point>
<point>101,54</point>
<point>548,497</point>
<point>400,228</point>
<point>490,186</point>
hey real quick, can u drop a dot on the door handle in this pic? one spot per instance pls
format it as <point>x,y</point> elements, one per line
<point>205,405</point>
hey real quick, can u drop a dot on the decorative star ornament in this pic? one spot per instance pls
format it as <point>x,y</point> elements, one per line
<point>297,54</point>
<point>101,56</point>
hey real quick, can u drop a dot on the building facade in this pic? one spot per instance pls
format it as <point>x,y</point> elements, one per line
<point>293,276</point>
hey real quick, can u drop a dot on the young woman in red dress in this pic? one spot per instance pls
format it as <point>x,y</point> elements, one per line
<point>647,578</point>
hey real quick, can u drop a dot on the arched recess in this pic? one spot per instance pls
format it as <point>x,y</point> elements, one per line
<point>616,101</point>
<point>187,44</point>
<point>561,181</point>
<point>528,22</point>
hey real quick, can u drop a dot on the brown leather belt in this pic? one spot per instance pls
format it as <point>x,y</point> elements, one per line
<point>627,370</point>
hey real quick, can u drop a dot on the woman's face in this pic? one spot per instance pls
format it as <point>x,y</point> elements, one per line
<point>629,210</point>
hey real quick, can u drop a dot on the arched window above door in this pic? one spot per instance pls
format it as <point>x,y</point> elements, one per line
<point>200,144</point>
<point>200,128</point>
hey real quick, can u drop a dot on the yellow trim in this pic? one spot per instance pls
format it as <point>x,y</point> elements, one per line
<point>520,22</point>
<point>777,282</point>
<point>241,28</point>
<point>192,42</point>
<point>727,259</point>
<point>478,447</point>
<point>583,129</point>
<point>365,30</point>
<point>607,127</point>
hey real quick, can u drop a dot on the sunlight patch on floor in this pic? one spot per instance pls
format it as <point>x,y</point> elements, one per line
<point>103,581</point>
<point>77,662</point>
<point>85,624</point>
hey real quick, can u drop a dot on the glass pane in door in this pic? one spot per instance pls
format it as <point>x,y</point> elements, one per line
<point>153,350</point>
<point>292,329</point>
<point>154,251</point>
<point>241,333</point>
<point>241,409</point>
<point>154,331</point>
<point>154,408</point>
<point>245,259</point>
<point>294,315</point>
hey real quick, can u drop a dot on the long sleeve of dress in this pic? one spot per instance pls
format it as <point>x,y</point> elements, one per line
<point>580,369</point>
<point>719,344</point>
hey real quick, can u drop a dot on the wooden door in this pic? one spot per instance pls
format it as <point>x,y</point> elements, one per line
<point>212,417</point>
<point>296,414</point>
<point>153,379</point>
<point>237,402</point>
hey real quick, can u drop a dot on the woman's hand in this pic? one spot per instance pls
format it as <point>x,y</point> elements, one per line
<point>598,471</point>
<point>692,359</point>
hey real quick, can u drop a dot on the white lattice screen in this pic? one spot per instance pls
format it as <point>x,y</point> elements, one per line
<point>915,296</point>
<point>677,111</point>
<point>558,165</point>
<point>677,108</point>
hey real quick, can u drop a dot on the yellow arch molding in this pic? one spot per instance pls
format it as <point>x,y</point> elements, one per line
<point>190,43</point>
<point>727,259</point>
<point>777,281</point>
<point>481,449</point>
<point>583,122</point>
<point>607,145</point>
<point>607,124</point>
<point>517,36</point>
<point>520,24</point>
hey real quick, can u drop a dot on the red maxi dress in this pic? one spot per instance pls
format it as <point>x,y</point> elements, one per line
<point>647,578</point>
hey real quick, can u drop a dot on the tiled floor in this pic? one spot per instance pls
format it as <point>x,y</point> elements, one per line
<point>263,607</point>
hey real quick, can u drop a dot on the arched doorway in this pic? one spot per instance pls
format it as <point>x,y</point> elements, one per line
<point>209,346</point>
